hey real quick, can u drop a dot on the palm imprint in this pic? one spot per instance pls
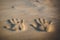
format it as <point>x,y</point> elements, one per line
<point>16,25</point>
<point>41,24</point>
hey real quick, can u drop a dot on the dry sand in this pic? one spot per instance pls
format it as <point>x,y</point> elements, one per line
<point>28,11</point>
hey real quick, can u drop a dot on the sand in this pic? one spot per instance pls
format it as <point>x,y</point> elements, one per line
<point>28,10</point>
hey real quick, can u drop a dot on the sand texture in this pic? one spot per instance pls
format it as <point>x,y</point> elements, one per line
<point>29,19</point>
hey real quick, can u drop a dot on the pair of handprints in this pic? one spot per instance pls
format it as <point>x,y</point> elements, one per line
<point>19,25</point>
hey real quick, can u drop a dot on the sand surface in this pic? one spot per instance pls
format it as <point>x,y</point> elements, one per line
<point>27,10</point>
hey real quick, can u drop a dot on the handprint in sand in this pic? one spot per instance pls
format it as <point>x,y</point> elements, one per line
<point>16,25</point>
<point>42,25</point>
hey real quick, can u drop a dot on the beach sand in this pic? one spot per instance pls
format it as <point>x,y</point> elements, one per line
<point>28,11</point>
